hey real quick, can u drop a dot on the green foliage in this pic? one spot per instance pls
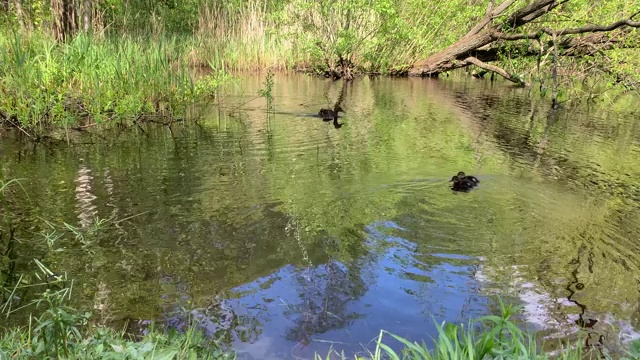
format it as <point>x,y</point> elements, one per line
<point>586,76</point>
<point>331,37</point>
<point>57,329</point>
<point>62,332</point>
<point>143,16</point>
<point>339,34</point>
<point>208,85</point>
<point>499,338</point>
<point>375,35</point>
<point>43,83</point>
<point>267,92</point>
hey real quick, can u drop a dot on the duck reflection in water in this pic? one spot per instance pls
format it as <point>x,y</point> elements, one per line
<point>463,182</point>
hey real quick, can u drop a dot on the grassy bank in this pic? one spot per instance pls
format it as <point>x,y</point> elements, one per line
<point>122,61</point>
<point>65,333</point>
<point>57,330</point>
<point>105,343</point>
<point>88,82</point>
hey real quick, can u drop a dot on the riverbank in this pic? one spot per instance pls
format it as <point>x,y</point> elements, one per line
<point>85,83</point>
<point>140,64</point>
<point>66,333</point>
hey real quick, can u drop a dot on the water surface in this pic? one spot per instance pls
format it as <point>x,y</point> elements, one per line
<point>287,235</point>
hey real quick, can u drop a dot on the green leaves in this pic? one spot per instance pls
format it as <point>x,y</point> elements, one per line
<point>62,332</point>
<point>488,337</point>
<point>43,83</point>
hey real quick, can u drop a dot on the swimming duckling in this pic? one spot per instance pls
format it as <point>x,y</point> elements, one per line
<point>471,178</point>
<point>328,114</point>
<point>462,182</point>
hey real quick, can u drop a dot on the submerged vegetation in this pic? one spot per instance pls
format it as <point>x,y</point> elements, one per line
<point>57,330</point>
<point>62,332</point>
<point>75,64</point>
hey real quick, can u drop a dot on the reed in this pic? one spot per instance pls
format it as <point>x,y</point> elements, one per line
<point>88,82</point>
<point>247,37</point>
<point>56,330</point>
<point>488,337</point>
<point>141,57</point>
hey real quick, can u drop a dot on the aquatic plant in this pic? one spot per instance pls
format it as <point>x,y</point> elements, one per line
<point>487,337</point>
<point>59,331</point>
<point>267,92</point>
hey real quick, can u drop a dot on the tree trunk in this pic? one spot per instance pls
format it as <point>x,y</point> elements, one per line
<point>448,59</point>
<point>64,19</point>
<point>69,18</point>
<point>453,56</point>
<point>19,13</point>
<point>478,46</point>
<point>87,15</point>
<point>57,15</point>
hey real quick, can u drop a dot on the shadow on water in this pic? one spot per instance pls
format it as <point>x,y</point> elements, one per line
<point>573,287</point>
<point>285,237</point>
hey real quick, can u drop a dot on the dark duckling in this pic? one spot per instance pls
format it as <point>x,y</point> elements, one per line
<point>328,114</point>
<point>462,182</point>
<point>471,178</point>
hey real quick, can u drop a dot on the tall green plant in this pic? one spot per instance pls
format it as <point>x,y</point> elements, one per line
<point>488,337</point>
<point>267,92</point>
<point>63,332</point>
<point>87,81</point>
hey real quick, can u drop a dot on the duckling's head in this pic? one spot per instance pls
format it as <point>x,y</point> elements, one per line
<point>456,178</point>
<point>461,174</point>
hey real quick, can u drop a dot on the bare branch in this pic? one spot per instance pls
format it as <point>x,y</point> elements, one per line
<point>540,12</point>
<point>512,37</point>
<point>582,30</point>
<point>491,14</point>
<point>518,18</point>
<point>596,28</point>
<point>490,7</point>
<point>554,73</point>
<point>498,70</point>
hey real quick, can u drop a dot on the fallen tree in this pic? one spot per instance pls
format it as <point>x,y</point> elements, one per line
<point>495,34</point>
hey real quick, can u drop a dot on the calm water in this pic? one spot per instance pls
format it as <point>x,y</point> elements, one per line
<point>289,236</point>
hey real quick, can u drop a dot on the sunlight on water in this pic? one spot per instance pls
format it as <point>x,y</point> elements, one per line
<point>287,236</point>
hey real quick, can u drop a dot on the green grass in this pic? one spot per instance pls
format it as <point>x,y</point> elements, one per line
<point>105,343</point>
<point>488,337</point>
<point>56,330</point>
<point>88,82</point>
<point>60,331</point>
